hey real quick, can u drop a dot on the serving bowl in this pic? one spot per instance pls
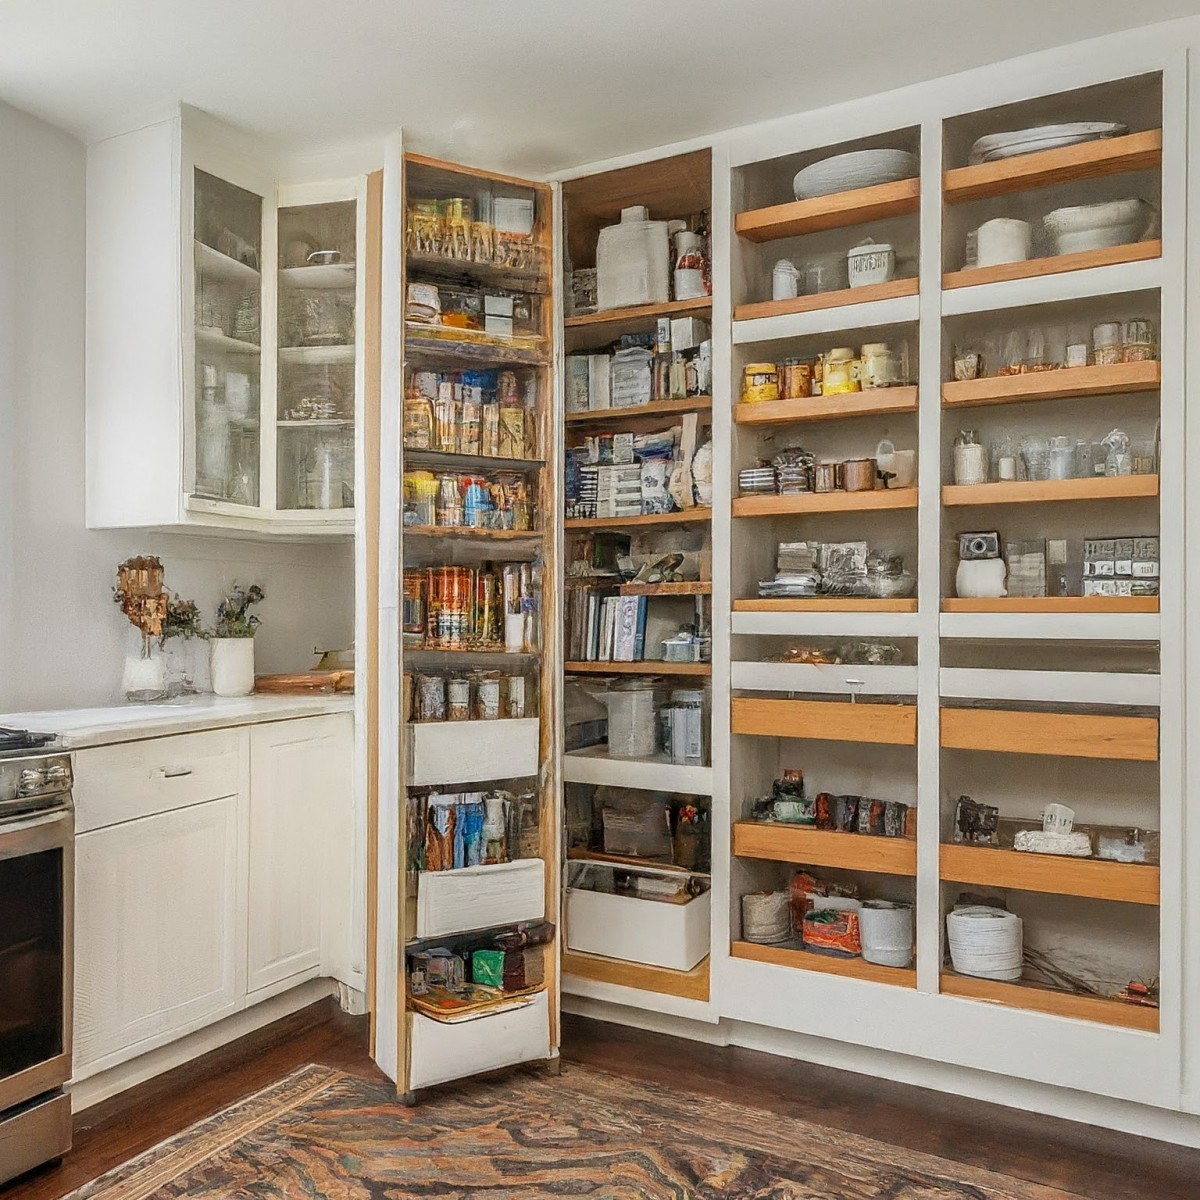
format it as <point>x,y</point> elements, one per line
<point>856,169</point>
<point>1082,227</point>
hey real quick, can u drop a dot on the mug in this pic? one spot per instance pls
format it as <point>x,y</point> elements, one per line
<point>1002,240</point>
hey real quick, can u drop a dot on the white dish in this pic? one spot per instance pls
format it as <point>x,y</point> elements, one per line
<point>1024,141</point>
<point>1082,227</point>
<point>858,169</point>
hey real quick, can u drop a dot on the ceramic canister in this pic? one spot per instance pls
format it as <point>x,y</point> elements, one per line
<point>1002,240</point>
<point>870,262</point>
<point>887,932</point>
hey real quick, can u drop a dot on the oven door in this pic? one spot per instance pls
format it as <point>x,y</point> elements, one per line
<point>37,858</point>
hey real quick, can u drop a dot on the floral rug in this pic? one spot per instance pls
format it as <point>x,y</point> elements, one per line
<point>323,1133</point>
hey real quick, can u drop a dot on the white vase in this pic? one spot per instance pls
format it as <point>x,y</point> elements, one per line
<point>145,677</point>
<point>231,663</point>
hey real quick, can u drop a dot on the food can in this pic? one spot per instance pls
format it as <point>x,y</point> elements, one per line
<point>515,697</point>
<point>797,379</point>
<point>487,696</point>
<point>760,383</point>
<point>458,699</point>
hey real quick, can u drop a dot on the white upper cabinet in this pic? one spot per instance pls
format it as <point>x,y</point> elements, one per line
<point>223,370</point>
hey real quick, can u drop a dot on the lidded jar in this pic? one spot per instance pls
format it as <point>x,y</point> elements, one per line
<point>842,372</point>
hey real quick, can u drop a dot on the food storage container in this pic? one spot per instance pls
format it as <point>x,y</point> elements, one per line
<point>760,383</point>
<point>859,474</point>
<point>870,262</point>
<point>842,372</point>
<point>880,366</point>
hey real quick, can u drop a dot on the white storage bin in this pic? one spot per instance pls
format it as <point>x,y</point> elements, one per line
<point>444,752</point>
<point>824,677</point>
<point>659,933</point>
<point>443,1050</point>
<point>633,264</point>
<point>476,897</point>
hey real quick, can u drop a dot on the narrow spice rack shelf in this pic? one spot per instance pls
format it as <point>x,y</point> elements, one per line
<point>1061,384</point>
<point>799,503</point>
<point>1056,875</point>
<point>855,207</point>
<point>1045,1000</point>
<point>847,604</point>
<point>1117,487</point>
<point>644,667</point>
<point>690,516</point>
<point>1052,604</point>
<point>1089,160</point>
<point>687,985</point>
<point>875,401</point>
<point>778,842</point>
<point>1056,264</point>
<point>844,297</point>
<point>639,412</point>
<point>1066,734</point>
<point>825,720</point>
<point>806,960</point>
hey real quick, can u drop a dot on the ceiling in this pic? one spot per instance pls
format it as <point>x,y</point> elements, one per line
<point>529,86</point>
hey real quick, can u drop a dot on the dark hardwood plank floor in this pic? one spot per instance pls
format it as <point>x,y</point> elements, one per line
<point>1091,1163</point>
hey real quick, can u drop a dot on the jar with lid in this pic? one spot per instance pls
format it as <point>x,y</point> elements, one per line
<point>1062,457</point>
<point>418,419</point>
<point>970,459</point>
<point>1106,344</point>
<point>842,372</point>
<point>880,366</point>
<point>760,383</point>
<point>690,268</point>
<point>1137,341</point>
<point>796,382</point>
<point>449,605</point>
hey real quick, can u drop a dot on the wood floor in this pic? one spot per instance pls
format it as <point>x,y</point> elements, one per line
<point>1091,1163</point>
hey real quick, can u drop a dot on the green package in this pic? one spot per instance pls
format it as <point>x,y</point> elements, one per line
<point>487,966</point>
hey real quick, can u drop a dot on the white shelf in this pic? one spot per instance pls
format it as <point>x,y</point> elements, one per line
<point>222,341</point>
<point>840,624</point>
<point>1067,687</point>
<point>1100,627</point>
<point>319,277</point>
<point>822,677</point>
<point>215,265</point>
<point>897,311</point>
<point>317,356</point>
<point>1049,289</point>
<point>659,774</point>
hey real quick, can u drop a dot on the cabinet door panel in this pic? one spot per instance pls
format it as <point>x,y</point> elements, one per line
<point>156,931</point>
<point>300,782</point>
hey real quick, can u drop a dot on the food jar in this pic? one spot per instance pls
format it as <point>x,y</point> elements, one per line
<point>880,366</point>
<point>858,474</point>
<point>1106,344</point>
<point>870,262</point>
<point>1137,341</point>
<point>970,459</point>
<point>458,698</point>
<point>760,383</point>
<point>796,379</point>
<point>842,371</point>
<point>413,625</point>
<point>785,280</point>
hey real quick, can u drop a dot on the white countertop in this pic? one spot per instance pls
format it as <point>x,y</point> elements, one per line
<point>83,727</point>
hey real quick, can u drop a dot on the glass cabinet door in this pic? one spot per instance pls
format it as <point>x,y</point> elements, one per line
<point>317,347</point>
<point>228,304</point>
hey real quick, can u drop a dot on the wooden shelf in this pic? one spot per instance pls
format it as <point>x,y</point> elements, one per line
<point>685,587</point>
<point>690,516</point>
<point>644,667</point>
<point>466,533</point>
<point>1053,385</point>
<point>217,340</point>
<point>579,854</point>
<point>452,346</point>
<point>1055,264</point>
<point>318,356</point>
<point>1053,604</point>
<point>639,412</point>
<point>688,985</point>
<point>855,207</point>
<point>874,401</point>
<point>847,604</point>
<point>1056,875</point>
<point>601,328</point>
<point>1066,734</point>
<point>1044,1000</point>
<point>780,842</point>
<point>452,270</point>
<point>801,503</point>
<point>451,461</point>
<point>822,300</point>
<point>806,960</point>
<point>825,720</point>
<point>1117,487</point>
<point>1088,160</point>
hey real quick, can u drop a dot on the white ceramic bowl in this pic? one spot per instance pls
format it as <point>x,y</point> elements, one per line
<point>858,169</point>
<point>870,263</point>
<point>1097,226</point>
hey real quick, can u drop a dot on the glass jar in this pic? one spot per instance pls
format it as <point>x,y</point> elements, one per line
<point>1137,341</point>
<point>1106,343</point>
<point>1062,457</point>
<point>449,592</point>
<point>413,614</point>
<point>970,459</point>
<point>880,366</point>
<point>449,507</point>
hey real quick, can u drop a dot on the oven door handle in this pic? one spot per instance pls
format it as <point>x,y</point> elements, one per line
<point>44,831</point>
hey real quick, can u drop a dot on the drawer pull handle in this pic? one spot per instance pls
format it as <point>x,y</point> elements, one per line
<point>179,773</point>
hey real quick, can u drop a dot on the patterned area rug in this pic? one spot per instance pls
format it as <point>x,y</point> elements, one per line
<point>322,1133</point>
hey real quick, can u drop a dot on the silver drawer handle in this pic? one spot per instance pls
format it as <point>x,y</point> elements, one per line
<point>177,774</point>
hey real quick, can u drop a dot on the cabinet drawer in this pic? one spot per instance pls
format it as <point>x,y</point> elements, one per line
<point>444,752</point>
<point>476,897</point>
<point>137,779</point>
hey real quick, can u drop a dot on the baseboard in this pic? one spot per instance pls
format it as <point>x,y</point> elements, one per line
<point>129,1074</point>
<point>714,1033</point>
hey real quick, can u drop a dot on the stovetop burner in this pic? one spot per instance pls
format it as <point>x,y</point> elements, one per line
<point>13,741</point>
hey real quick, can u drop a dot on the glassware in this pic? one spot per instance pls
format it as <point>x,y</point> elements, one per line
<point>1035,453</point>
<point>1004,458</point>
<point>1144,457</point>
<point>1078,349</point>
<point>1137,341</point>
<point>1118,461</point>
<point>1106,343</point>
<point>1062,457</point>
<point>970,459</point>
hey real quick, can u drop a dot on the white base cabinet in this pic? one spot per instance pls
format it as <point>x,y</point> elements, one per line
<point>193,902</point>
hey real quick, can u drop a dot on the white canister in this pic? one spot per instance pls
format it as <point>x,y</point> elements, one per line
<point>231,663</point>
<point>887,932</point>
<point>970,464</point>
<point>870,262</point>
<point>985,942</point>
<point>1058,818</point>
<point>766,917</point>
<point>632,727</point>
<point>785,280</point>
<point>688,276</point>
<point>981,578</point>
<point>1002,240</point>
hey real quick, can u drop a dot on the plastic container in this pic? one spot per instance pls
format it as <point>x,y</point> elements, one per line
<point>887,932</point>
<point>631,723</point>
<point>985,942</point>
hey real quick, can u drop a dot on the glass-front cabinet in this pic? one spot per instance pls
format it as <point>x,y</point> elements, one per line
<point>223,352</point>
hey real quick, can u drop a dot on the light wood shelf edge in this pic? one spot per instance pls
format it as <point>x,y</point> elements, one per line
<point>649,312</point>
<point>635,412</point>
<point>687,985</point>
<point>800,503</point>
<point>824,604</point>
<point>807,960</point>
<point>1052,604</point>
<point>855,207</point>
<point>1056,875</point>
<point>779,842</point>
<point>1058,1004</point>
<point>1056,264</point>
<point>824,408</point>
<point>1058,734</point>
<point>1063,383</point>
<point>1118,487</point>
<point>643,667</point>
<point>845,297</point>
<point>824,720</point>
<point>689,516</point>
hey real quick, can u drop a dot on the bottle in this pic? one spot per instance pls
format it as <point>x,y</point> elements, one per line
<point>418,419</point>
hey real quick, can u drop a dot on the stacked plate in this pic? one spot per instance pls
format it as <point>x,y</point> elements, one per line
<point>756,481</point>
<point>858,169</point>
<point>996,146</point>
<point>985,942</point>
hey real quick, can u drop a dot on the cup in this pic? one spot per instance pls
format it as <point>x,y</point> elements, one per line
<point>1002,240</point>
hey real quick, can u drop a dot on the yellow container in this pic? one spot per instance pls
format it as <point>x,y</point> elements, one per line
<point>842,372</point>
<point>760,383</point>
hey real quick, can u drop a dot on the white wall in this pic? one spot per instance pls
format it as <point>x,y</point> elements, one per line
<point>62,639</point>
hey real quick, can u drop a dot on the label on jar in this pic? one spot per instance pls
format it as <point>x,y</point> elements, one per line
<point>487,693</point>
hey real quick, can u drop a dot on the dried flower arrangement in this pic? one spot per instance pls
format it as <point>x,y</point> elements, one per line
<point>234,619</point>
<point>142,597</point>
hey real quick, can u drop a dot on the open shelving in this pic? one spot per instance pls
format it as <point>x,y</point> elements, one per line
<point>1061,733</point>
<point>801,503</point>
<point>1064,605</point>
<point>807,960</point>
<point>873,293</point>
<point>1116,487</point>
<point>855,207</point>
<point>647,666</point>
<point>1054,264</point>
<point>828,604</point>
<point>655,410</point>
<point>778,842</point>
<point>872,403</point>
<point>1068,382</point>
<point>688,516</point>
<point>825,720</point>
<point>686,985</point>
<point>1054,1003</point>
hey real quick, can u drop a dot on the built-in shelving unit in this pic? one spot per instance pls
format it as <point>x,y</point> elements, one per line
<point>1063,734</point>
<point>825,720</point>
<point>1055,264</point>
<point>799,503</point>
<point>779,842</point>
<point>872,403</point>
<point>1054,1003</point>
<point>1118,379</point>
<point>855,207</point>
<point>828,604</point>
<point>648,666</point>
<point>1117,487</point>
<point>872,293</point>
<point>654,411</point>
<point>807,960</point>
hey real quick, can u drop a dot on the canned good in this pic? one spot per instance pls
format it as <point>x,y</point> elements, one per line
<point>487,696</point>
<point>797,379</point>
<point>458,699</point>
<point>431,698</point>
<point>515,697</point>
<point>760,383</point>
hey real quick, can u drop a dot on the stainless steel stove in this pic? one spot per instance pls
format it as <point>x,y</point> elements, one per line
<point>37,858</point>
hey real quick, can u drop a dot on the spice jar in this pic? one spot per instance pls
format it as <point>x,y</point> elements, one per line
<point>842,370</point>
<point>970,459</point>
<point>760,383</point>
